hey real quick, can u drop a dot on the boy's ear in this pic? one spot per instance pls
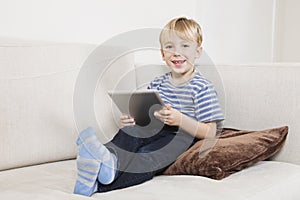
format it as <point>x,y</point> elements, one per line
<point>199,51</point>
<point>162,54</point>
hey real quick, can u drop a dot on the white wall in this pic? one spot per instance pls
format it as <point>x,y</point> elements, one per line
<point>288,31</point>
<point>235,31</point>
<point>88,21</point>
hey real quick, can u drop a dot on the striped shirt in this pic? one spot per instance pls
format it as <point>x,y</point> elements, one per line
<point>197,98</point>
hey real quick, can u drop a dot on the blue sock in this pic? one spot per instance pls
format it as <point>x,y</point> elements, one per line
<point>87,172</point>
<point>108,170</point>
<point>92,156</point>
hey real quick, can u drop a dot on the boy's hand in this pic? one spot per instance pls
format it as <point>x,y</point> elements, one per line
<point>169,115</point>
<point>126,120</point>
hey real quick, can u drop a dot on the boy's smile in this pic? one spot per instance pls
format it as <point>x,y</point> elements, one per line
<point>178,63</point>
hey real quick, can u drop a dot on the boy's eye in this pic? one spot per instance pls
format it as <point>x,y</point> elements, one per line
<point>186,45</point>
<point>168,47</point>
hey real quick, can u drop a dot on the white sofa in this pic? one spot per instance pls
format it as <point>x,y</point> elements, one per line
<point>38,127</point>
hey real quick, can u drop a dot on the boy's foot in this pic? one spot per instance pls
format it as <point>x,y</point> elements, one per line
<point>87,173</point>
<point>108,170</point>
<point>92,155</point>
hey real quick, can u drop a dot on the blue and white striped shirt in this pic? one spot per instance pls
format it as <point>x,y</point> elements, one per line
<point>197,98</point>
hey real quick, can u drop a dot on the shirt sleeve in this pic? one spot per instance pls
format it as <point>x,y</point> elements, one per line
<point>207,107</point>
<point>150,86</point>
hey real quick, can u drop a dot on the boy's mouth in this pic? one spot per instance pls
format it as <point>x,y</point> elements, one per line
<point>178,62</point>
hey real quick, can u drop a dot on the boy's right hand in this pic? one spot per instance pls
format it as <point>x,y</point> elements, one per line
<point>126,120</point>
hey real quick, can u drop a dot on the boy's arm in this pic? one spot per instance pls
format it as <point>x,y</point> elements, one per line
<point>197,129</point>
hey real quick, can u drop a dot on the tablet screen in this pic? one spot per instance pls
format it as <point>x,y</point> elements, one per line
<point>140,105</point>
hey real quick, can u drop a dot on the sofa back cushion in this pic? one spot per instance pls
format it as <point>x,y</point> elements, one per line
<point>262,96</point>
<point>36,117</point>
<point>37,81</point>
<point>115,75</point>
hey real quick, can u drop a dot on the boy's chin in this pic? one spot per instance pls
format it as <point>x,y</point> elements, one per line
<point>181,69</point>
<point>178,72</point>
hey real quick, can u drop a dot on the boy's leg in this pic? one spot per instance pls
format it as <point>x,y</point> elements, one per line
<point>122,141</point>
<point>151,159</point>
<point>128,141</point>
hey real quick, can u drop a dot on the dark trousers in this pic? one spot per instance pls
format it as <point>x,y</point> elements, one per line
<point>143,153</point>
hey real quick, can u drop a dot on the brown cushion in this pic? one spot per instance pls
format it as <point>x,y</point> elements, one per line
<point>233,151</point>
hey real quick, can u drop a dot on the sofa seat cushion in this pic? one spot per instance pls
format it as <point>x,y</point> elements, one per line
<point>265,180</point>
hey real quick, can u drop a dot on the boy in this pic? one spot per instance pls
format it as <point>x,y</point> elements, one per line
<point>192,112</point>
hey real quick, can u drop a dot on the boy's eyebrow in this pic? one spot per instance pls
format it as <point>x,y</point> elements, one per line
<point>181,42</point>
<point>185,42</point>
<point>168,42</point>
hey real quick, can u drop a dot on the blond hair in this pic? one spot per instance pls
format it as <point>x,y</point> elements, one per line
<point>184,28</point>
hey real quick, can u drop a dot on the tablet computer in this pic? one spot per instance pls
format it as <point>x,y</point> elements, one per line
<point>140,105</point>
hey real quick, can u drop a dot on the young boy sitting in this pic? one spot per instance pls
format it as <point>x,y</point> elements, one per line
<point>192,112</point>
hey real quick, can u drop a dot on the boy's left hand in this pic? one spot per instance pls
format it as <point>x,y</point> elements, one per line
<point>169,115</point>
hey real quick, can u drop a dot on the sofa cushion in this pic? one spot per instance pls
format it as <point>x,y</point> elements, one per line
<point>36,117</point>
<point>264,180</point>
<point>264,95</point>
<point>37,84</point>
<point>233,151</point>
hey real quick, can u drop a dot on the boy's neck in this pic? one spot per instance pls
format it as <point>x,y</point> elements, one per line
<point>179,79</point>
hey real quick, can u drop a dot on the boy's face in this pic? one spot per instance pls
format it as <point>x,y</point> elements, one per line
<point>180,54</point>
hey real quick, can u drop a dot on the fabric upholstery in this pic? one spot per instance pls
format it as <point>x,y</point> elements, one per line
<point>36,84</point>
<point>259,96</point>
<point>265,180</point>
<point>37,81</point>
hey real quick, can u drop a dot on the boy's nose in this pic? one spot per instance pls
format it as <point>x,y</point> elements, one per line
<point>176,53</point>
